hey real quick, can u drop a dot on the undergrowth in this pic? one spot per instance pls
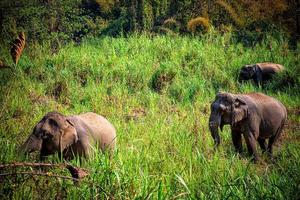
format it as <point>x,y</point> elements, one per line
<point>157,92</point>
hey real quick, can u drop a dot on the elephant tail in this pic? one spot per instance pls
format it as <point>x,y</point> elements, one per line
<point>280,128</point>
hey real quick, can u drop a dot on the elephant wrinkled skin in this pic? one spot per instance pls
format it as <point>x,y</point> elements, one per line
<point>256,116</point>
<point>259,72</point>
<point>71,135</point>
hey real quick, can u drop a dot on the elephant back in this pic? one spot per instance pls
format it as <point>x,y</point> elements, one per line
<point>100,129</point>
<point>268,105</point>
<point>270,67</point>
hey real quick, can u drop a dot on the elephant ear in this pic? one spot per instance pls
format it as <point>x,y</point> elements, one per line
<point>239,110</point>
<point>69,135</point>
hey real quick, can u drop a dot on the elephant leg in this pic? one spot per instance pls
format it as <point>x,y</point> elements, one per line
<point>273,139</point>
<point>237,140</point>
<point>257,83</point>
<point>251,145</point>
<point>262,143</point>
<point>258,79</point>
<point>270,146</point>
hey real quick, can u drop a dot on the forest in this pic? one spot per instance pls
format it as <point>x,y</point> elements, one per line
<point>59,22</point>
<point>153,69</point>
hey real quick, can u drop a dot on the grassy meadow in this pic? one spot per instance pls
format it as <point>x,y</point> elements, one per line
<point>157,91</point>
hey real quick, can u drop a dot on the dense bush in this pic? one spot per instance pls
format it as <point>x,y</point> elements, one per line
<point>57,21</point>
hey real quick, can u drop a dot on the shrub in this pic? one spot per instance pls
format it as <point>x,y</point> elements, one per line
<point>193,24</point>
<point>162,78</point>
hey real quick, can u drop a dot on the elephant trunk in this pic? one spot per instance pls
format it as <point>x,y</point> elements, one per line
<point>240,79</point>
<point>214,124</point>
<point>33,143</point>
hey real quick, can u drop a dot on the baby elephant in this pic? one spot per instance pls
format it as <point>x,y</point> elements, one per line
<point>259,72</point>
<point>255,115</point>
<point>71,135</point>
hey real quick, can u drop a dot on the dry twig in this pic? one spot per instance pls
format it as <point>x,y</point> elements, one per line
<point>76,172</point>
<point>39,174</point>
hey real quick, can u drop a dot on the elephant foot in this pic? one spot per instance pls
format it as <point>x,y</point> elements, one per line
<point>239,151</point>
<point>271,158</point>
<point>255,159</point>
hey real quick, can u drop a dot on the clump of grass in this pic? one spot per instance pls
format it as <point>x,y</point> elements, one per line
<point>162,78</point>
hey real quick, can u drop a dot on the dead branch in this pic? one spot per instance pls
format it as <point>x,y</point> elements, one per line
<point>26,164</point>
<point>76,172</point>
<point>47,174</point>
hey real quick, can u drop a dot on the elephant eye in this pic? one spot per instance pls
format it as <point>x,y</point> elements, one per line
<point>53,122</point>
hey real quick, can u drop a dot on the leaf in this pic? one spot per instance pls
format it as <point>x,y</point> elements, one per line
<point>180,180</point>
<point>77,172</point>
<point>17,47</point>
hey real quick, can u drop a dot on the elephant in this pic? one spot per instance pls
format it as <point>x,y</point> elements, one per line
<point>259,72</point>
<point>71,135</point>
<point>255,115</point>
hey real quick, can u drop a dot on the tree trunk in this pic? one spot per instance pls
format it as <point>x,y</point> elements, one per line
<point>52,18</point>
<point>132,15</point>
<point>298,20</point>
<point>140,14</point>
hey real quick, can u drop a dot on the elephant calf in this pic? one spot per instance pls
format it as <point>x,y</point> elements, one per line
<point>71,135</point>
<point>255,115</point>
<point>259,72</point>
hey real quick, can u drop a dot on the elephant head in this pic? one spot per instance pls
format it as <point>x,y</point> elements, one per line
<point>226,109</point>
<point>52,134</point>
<point>247,72</point>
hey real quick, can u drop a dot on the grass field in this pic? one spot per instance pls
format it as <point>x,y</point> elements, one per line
<point>157,92</point>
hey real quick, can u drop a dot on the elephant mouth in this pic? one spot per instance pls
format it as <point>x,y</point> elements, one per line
<point>67,147</point>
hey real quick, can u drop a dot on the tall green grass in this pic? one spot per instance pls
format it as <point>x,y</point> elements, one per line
<point>164,148</point>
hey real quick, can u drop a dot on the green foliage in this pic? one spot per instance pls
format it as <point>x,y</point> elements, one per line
<point>47,21</point>
<point>56,22</point>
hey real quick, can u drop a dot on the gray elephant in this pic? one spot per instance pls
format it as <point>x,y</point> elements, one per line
<point>71,135</point>
<point>259,72</point>
<point>255,115</point>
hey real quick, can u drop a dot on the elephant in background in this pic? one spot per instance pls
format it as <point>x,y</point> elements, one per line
<point>71,135</point>
<point>259,72</point>
<point>255,115</point>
